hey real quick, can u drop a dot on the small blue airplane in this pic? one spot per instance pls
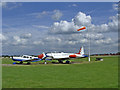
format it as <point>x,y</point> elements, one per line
<point>25,58</point>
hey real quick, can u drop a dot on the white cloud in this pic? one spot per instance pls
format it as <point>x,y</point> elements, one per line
<point>74,5</point>
<point>57,15</point>
<point>27,35</point>
<point>41,26</point>
<point>113,25</point>
<point>83,38</point>
<point>3,4</point>
<point>52,39</point>
<point>81,19</point>
<point>104,41</point>
<point>2,37</point>
<point>115,6</point>
<point>19,41</point>
<point>11,5</point>
<point>39,14</point>
<point>38,43</point>
<point>94,36</point>
<point>63,27</point>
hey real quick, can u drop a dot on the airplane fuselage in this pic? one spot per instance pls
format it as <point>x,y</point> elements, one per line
<point>25,58</point>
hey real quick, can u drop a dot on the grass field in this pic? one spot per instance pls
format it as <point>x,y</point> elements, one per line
<point>96,74</point>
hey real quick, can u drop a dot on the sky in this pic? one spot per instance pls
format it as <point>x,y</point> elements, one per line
<point>36,27</point>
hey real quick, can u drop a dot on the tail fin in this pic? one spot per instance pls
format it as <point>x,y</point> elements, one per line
<point>42,56</point>
<point>81,51</point>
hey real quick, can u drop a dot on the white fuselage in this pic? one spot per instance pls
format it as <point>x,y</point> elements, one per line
<point>62,55</point>
<point>24,58</point>
<point>59,55</point>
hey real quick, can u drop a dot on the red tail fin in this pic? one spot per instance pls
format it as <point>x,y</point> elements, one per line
<point>79,51</point>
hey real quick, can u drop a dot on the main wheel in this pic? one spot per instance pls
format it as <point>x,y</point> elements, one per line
<point>28,63</point>
<point>21,62</point>
<point>67,62</point>
<point>60,61</point>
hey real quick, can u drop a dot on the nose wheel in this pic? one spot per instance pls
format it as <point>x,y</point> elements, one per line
<point>67,62</point>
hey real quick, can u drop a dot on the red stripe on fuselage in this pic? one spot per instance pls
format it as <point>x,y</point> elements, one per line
<point>72,56</point>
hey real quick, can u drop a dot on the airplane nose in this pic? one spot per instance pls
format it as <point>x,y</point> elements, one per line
<point>40,56</point>
<point>72,56</point>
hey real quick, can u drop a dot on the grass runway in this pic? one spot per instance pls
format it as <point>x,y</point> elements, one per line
<point>95,74</point>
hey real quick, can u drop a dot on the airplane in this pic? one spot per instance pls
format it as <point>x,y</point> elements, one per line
<point>60,56</point>
<point>25,58</point>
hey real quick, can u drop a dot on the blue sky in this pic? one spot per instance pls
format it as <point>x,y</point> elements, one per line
<point>30,27</point>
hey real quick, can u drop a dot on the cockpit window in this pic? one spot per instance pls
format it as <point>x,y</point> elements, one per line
<point>24,56</point>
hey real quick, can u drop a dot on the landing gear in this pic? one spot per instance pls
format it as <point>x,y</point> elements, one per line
<point>21,62</point>
<point>67,62</point>
<point>28,63</point>
<point>60,61</point>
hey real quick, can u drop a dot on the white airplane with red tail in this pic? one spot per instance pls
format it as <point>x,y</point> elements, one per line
<point>60,56</point>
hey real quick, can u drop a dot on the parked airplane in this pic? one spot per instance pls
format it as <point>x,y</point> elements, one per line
<point>25,58</point>
<point>60,56</point>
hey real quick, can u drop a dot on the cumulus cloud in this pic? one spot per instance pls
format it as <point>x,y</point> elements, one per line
<point>104,41</point>
<point>81,19</point>
<point>83,38</point>
<point>115,6</point>
<point>19,41</point>
<point>52,38</point>
<point>113,25</point>
<point>22,39</point>
<point>38,42</point>
<point>57,15</point>
<point>94,36</point>
<point>10,5</point>
<point>27,35</point>
<point>2,37</point>
<point>63,27</point>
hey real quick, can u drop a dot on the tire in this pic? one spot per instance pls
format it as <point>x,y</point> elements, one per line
<point>21,62</point>
<point>67,62</point>
<point>60,61</point>
<point>28,63</point>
